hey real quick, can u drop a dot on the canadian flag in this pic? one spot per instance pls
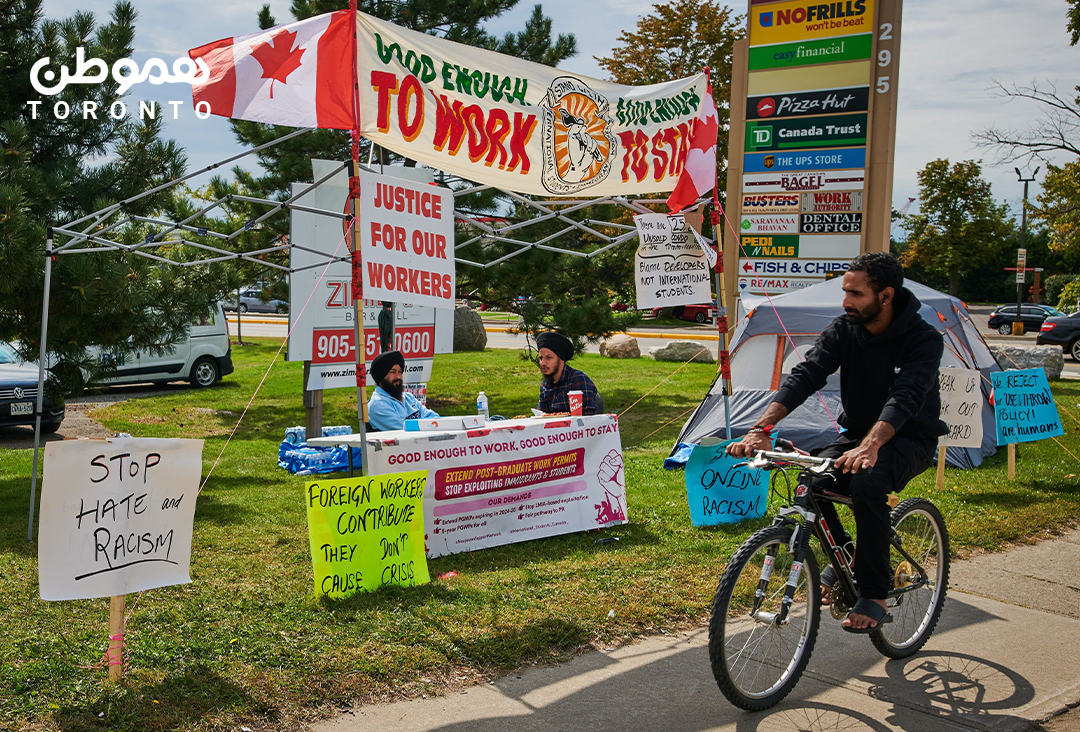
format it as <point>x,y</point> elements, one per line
<point>298,74</point>
<point>698,175</point>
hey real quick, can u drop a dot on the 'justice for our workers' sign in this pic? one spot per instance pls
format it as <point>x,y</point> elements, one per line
<point>407,240</point>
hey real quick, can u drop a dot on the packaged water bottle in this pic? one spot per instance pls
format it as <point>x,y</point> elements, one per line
<point>482,405</point>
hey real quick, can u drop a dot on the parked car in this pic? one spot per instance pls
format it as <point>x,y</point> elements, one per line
<point>250,301</point>
<point>19,391</point>
<point>696,313</point>
<point>1064,331</point>
<point>202,359</point>
<point>1032,316</point>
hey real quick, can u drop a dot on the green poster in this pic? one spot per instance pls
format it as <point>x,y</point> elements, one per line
<point>768,246</point>
<point>806,53</point>
<point>367,532</point>
<point>806,133</point>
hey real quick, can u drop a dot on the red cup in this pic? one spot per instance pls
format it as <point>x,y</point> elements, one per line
<point>577,399</point>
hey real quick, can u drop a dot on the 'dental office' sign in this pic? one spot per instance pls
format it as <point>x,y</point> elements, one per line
<point>116,516</point>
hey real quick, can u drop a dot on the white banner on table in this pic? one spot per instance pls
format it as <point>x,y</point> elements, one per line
<point>961,406</point>
<point>670,267</point>
<point>116,516</point>
<point>511,482</point>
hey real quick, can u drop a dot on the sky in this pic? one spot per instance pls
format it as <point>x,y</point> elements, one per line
<point>951,54</point>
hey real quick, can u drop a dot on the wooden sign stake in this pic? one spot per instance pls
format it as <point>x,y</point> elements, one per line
<point>115,656</point>
<point>1012,461</point>
<point>941,463</point>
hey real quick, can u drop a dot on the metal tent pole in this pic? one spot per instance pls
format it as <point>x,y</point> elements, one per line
<point>41,381</point>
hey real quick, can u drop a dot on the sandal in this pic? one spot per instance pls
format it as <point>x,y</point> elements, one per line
<point>828,579</point>
<point>872,610</point>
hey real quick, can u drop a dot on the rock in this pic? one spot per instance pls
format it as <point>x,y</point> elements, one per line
<point>620,345</point>
<point>1049,358</point>
<point>469,334</point>
<point>683,351</point>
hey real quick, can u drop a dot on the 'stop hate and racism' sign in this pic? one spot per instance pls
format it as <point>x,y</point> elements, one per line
<point>116,516</point>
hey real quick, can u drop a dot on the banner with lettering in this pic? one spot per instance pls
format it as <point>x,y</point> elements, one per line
<point>366,533</point>
<point>116,516</point>
<point>513,480</point>
<point>671,266</point>
<point>724,490</point>
<point>517,125</point>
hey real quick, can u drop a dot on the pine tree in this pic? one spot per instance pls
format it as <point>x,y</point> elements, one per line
<point>48,176</point>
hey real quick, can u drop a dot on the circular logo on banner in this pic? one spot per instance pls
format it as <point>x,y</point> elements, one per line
<point>770,160</point>
<point>578,143</point>
<point>766,107</point>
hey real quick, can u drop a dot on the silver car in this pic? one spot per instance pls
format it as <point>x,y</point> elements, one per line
<point>251,302</point>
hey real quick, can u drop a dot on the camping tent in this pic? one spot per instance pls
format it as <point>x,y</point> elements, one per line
<point>776,333</point>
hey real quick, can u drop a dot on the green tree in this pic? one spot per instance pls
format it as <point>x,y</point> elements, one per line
<point>1059,206</point>
<point>1073,24</point>
<point>51,171</point>
<point>958,226</point>
<point>678,39</point>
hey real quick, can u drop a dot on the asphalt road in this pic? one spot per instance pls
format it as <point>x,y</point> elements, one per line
<point>656,339</point>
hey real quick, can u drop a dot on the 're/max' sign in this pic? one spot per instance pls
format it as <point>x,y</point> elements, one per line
<point>830,223</point>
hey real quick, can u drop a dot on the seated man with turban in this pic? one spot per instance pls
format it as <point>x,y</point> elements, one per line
<point>554,351</point>
<point>391,405</point>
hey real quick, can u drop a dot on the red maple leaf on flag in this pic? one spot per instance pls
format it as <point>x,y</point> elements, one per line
<point>705,134</point>
<point>278,58</point>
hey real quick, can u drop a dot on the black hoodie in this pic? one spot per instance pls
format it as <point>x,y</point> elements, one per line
<point>891,377</point>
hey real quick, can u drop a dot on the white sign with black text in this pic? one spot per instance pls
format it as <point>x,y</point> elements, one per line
<point>671,267</point>
<point>961,406</point>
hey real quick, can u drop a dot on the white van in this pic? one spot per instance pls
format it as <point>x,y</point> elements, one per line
<point>202,359</point>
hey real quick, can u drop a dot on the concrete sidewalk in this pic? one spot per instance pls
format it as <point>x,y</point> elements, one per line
<point>1005,656</point>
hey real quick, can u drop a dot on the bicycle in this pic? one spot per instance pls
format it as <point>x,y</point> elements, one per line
<point>767,607</point>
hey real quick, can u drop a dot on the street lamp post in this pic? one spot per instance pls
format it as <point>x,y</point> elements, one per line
<point>1018,326</point>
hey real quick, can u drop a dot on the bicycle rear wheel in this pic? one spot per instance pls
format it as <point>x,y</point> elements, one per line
<point>922,532</point>
<point>757,662</point>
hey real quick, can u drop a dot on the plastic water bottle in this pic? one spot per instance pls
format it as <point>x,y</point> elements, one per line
<point>482,405</point>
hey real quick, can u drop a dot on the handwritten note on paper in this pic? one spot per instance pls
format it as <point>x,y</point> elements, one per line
<point>1024,408</point>
<point>722,489</point>
<point>367,532</point>
<point>961,406</point>
<point>670,266</point>
<point>116,516</point>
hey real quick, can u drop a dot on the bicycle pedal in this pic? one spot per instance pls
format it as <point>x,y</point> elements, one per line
<point>894,500</point>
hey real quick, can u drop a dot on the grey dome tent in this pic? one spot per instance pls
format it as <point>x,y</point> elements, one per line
<point>775,333</point>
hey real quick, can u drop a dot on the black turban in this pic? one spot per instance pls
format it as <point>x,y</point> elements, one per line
<point>382,364</point>
<point>557,343</point>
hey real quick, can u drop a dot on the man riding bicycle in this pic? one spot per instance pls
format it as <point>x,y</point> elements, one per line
<point>888,358</point>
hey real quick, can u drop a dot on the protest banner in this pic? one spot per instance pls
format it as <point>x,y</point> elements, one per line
<point>722,489</point>
<point>961,411</point>
<point>518,125</point>
<point>116,516</point>
<point>366,533</point>
<point>671,267</point>
<point>1024,408</point>
<point>513,480</point>
<point>407,235</point>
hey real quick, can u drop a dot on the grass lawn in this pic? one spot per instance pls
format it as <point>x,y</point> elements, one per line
<point>247,642</point>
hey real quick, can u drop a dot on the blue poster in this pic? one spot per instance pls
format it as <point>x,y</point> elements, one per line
<point>1024,408</point>
<point>806,160</point>
<point>722,489</point>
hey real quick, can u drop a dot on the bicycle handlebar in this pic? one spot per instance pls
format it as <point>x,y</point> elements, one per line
<point>765,458</point>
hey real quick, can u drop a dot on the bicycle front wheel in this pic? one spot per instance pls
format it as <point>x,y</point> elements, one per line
<point>756,659</point>
<point>921,530</point>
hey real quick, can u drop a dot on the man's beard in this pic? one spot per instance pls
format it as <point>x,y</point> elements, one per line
<point>864,316</point>
<point>394,389</point>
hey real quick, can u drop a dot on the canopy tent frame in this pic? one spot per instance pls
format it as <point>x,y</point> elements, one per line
<point>91,233</point>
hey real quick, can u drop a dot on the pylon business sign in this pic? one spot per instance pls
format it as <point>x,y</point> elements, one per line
<point>812,119</point>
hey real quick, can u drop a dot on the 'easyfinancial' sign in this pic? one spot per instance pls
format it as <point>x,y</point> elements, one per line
<point>809,19</point>
<point>845,130</point>
<point>806,53</point>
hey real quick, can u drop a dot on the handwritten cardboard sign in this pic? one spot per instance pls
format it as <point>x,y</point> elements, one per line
<point>722,489</point>
<point>670,267</point>
<point>116,516</point>
<point>961,406</point>
<point>1024,408</point>
<point>367,532</point>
